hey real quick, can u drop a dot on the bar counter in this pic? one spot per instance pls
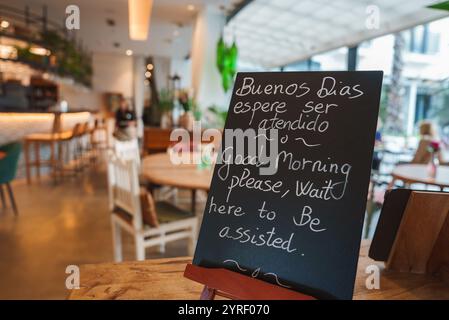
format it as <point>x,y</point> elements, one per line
<point>14,126</point>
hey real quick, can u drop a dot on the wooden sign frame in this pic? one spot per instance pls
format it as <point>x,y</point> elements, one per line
<point>235,286</point>
<point>421,242</point>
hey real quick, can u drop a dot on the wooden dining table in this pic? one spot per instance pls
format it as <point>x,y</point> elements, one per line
<point>158,169</point>
<point>417,173</point>
<point>162,279</point>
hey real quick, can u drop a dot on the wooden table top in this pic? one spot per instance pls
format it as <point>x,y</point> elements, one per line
<point>158,169</point>
<point>162,279</point>
<point>417,173</point>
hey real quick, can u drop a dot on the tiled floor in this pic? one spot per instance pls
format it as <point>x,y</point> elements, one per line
<point>58,225</point>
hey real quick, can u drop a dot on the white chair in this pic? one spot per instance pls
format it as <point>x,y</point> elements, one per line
<point>127,213</point>
<point>128,150</point>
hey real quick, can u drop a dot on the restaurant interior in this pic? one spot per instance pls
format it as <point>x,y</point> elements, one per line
<point>93,87</point>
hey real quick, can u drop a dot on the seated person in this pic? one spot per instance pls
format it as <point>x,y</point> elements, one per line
<point>377,154</point>
<point>125,122</point>
<point>428,135</point>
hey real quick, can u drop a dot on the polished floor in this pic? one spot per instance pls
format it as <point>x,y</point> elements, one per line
<point>59,225</point>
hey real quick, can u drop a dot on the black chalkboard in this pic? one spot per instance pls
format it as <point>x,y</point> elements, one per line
<point>297,225</point>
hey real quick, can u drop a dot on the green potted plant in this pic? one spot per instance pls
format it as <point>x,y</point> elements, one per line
<point>219,114</point>
<point>187,119</point>
<point>166,105</point>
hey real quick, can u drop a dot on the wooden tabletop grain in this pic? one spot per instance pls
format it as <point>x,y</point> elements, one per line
<point>162,279</point>
<point>158,169</point>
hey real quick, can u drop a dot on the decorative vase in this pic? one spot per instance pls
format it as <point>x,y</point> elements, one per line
<point>432,166</point>
<point>186,120</point>
<point>166,120</point>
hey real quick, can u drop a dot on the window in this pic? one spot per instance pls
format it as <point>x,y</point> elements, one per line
<point>422,106</point>
<point>421,40</point>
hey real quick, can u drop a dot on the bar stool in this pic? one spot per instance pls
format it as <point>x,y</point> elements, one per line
<point>84,147</point>
<point>70,151</point>
<point>37,139</point>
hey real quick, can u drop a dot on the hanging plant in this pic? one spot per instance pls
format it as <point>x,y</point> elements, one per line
<point>226,62</point>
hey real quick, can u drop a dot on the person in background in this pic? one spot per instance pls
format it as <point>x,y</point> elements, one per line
<point>125,122</point>
<point>377,154</point>
<point>428,137</point>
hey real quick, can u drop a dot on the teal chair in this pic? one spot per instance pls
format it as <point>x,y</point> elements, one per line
<point>9,159</point>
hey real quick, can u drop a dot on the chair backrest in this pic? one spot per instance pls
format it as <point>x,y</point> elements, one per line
<point>124,190</point>
<point>8,165</point>
<point>127,150</point>
<point>76,130</point>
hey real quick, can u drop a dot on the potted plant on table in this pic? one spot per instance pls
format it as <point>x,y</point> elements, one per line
<point>188,105</point>
<point>434,149</point>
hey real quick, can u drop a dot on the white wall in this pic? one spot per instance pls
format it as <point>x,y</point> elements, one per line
<point>161,71</point>
<point>79,97</point>
<point>206,80</point>
<point>113,73</point>
<point>182,67</point>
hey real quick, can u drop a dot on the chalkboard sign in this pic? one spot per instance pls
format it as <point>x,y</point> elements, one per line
<point>289,189</point>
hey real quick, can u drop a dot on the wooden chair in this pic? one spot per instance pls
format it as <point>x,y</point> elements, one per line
<point>134,211</point>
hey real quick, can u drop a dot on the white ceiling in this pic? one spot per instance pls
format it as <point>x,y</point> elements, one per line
<point>99,37</point>
<point>273,33</point>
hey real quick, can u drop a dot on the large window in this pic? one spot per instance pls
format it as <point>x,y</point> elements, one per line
<point>422,40</point>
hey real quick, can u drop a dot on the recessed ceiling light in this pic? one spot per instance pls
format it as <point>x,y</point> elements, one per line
<point>139,12</point>
<point>129,52</point>
<point>146,82</point>
<point>150,66</point>
<point>148,74</point>
<point>4,24</point>
<point>191,7</point>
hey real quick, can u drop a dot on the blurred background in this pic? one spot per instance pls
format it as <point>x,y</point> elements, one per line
<point>81,78</point>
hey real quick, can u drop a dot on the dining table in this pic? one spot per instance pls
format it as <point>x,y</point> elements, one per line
<point>162,279</point>
<point>162,169</point>
<point>418,173</point>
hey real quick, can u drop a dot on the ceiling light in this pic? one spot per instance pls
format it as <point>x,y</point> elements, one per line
<point>148,74</point>
<point>4,24</point>
<point>40,51</point>
<point>129,52</point>
<point>139,18</point>
<point>191,7</point>
<point>150,66</point>
<point>146,82</point>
